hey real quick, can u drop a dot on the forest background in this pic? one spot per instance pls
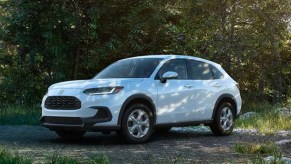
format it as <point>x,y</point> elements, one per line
<point>47,41</point>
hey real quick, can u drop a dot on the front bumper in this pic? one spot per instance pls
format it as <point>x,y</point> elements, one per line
<point>84,123</point>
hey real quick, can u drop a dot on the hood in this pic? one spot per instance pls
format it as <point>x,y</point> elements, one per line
<point>93,83</point>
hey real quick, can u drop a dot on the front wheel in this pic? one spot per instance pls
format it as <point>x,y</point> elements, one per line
<point>223,121</point>
<point>137,123</point>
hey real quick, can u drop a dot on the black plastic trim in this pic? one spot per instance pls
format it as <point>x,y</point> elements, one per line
<point>180,124</point>
<point>103,115</point>
<point>219,100</point>
<point>130,99</point>
<point>62,103</point>
<point>237,116</point>
<point>92,128</point>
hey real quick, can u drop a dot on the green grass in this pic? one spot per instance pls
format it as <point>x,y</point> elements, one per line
<point>256,148</point>
<point>266,120</point>
<point>19,115</point>
<point>7,157</point>
<point>57,159</point>
<point>259,152</point>
<point>100,159</point>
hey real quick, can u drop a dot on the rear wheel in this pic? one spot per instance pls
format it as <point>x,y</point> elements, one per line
<point>223,121</point>
<point>70,134</point>
<point>137,124</point>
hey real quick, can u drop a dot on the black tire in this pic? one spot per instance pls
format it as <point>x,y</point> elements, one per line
<point>70,134</point>
<point>224,119</point>
<point>139,118</point>
<point>162,130</point>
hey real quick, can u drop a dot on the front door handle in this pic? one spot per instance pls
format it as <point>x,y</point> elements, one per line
<point>188,86</point>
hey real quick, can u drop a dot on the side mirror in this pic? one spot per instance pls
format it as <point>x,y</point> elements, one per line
<point>168,75</point>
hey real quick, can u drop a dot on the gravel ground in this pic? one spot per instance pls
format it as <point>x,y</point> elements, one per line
<point>182,145</point>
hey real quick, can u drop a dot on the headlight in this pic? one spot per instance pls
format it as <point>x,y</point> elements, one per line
<point>103,90</point>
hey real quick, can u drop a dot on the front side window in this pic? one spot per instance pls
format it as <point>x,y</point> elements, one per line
<point>199,70</point>
<point>130,68</point>
<point>178,66</point>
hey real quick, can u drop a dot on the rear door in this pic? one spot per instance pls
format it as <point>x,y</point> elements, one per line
<point>208,85</point>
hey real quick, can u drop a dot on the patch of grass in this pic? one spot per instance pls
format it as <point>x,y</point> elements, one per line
<point>57,159</point>
<point>63,160</point>
<point>256,149</point>
<point>19,115</point>
<point>7,157</point>
<point>100,159</point>
<point>266,120</point>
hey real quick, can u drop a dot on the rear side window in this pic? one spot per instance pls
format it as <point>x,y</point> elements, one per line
<point>178,66</point>
<point>216,73</point>
<point>199,70</point>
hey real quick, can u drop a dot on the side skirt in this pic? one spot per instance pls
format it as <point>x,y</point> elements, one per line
<point>181,124</point>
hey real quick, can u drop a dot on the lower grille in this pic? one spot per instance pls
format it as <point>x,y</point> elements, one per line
<point>62,103</point>
<point>61,120</point>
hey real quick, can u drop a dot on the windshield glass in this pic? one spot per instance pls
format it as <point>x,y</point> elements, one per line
<point>130,68</point>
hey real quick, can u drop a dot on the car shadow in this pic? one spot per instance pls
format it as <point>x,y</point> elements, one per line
<point>97,138</point>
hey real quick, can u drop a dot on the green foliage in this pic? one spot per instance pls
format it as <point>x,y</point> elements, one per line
<point>44,42</point>
<point>19,115</point>
<point>100,159</point>
<point>62,160</point>
<point>249,38</point>
<point>256,149</point>
<point>57,159</point>
<point>266,120</point>
<point>260,151</point>
<point>7,157</point>
<point>54,41</point>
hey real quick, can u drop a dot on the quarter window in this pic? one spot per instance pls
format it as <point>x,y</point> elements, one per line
<point>216,73</point>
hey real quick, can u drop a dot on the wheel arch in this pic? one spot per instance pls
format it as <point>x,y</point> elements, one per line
<point>137,98</point>
<point>224,98</point>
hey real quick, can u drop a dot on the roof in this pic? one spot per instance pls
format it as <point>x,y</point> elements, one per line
<point>170,56</point>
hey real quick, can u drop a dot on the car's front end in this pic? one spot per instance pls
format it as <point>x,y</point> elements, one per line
<point>95,104</point>
<point>83,104</point>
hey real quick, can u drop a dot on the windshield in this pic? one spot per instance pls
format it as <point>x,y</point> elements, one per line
<point>130,68</point>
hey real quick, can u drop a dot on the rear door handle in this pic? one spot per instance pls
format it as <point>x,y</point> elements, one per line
<point>217,85</point>
<point>188,86</point>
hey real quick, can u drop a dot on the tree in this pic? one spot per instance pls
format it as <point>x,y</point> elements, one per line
<point>247,38</point>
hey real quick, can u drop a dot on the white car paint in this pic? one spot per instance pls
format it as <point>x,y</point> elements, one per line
<point>175,101</point>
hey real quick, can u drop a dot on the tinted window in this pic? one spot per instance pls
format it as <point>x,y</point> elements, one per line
<point>130,68</point>
<point>178,66</point>
<point>199,70</point>
<point>216,73</point>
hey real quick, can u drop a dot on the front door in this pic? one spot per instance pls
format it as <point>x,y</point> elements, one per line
<point>176,96</point>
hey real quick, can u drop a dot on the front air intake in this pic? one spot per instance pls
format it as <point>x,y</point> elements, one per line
<point>62,103</point>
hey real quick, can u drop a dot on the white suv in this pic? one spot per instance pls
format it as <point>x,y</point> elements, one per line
<point>139,95</point>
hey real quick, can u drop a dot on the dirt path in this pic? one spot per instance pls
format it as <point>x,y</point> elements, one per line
<point>185,145</point>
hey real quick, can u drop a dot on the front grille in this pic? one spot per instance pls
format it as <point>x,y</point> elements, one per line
<point>62,103</point>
